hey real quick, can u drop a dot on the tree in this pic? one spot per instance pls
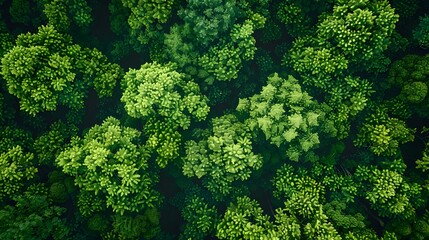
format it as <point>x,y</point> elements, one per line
<point>200,217</point>
<point>45,70</point>
<point>61,13</point>
<point>50,144</point>
<point>244,219</point>
<point>285,114</point>
<point>159,91</point>
<point>108,164</point>
<point>421,32</point>
<point>409,74</point>
<point>167,101</point>
<point>16,167</point>
<point>223,157</point>
<point>383,134</point>
<point>388,191</point>
<point>34,217</point>
<point>351,38</point>
<point>222,62</point>
<point>209,19</point>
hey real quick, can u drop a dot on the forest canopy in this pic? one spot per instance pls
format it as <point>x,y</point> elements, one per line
<point>214,119</point>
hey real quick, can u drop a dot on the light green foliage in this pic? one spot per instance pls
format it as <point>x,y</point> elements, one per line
<point>340,185</point>
<point>56,13</point>
<point>45,69</point>
<point>50,144</point>
<point>148,13</point>
<point>6,42</point>
<point>209,19</point>
<point>423,162</point>
<point>303,194</point>
<point>200,218</point>
<point>143,225</point>
<point>159,91</point>
<point>319,228</point>
<point>222,62</point>
<point>389,193</point>
<point>318,65</point>
<point>246,220</point>
<point>224,157</point>
<point>167,101</point>
<point>421,32</point>
<point>98,72</point>
<point>354,34</point>
<point>303,197</point>
<point>32,217</point>
<point>16,167</point>
<point>285,114</point>
<point>383,134</point>
<point>108,162</point>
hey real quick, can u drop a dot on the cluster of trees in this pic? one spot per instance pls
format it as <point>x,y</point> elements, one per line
<point>226,119</point>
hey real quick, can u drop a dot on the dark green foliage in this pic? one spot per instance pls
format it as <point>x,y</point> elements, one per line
<point>200,218</point>
<point>421,33</point>
<point>32,217</point>
<point>405,8</point>
<point>335,211</point>
<point>222,63</point>
<point>410,75</point>
<point>26,12</point>
<point>98,223</point>
<point>209,19</point>
<point>50,144</point>
<point>6,42</point>
<point>145,225</point>
<point>201,140</point>
<point>58,192</point>
<point>61,13</point>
